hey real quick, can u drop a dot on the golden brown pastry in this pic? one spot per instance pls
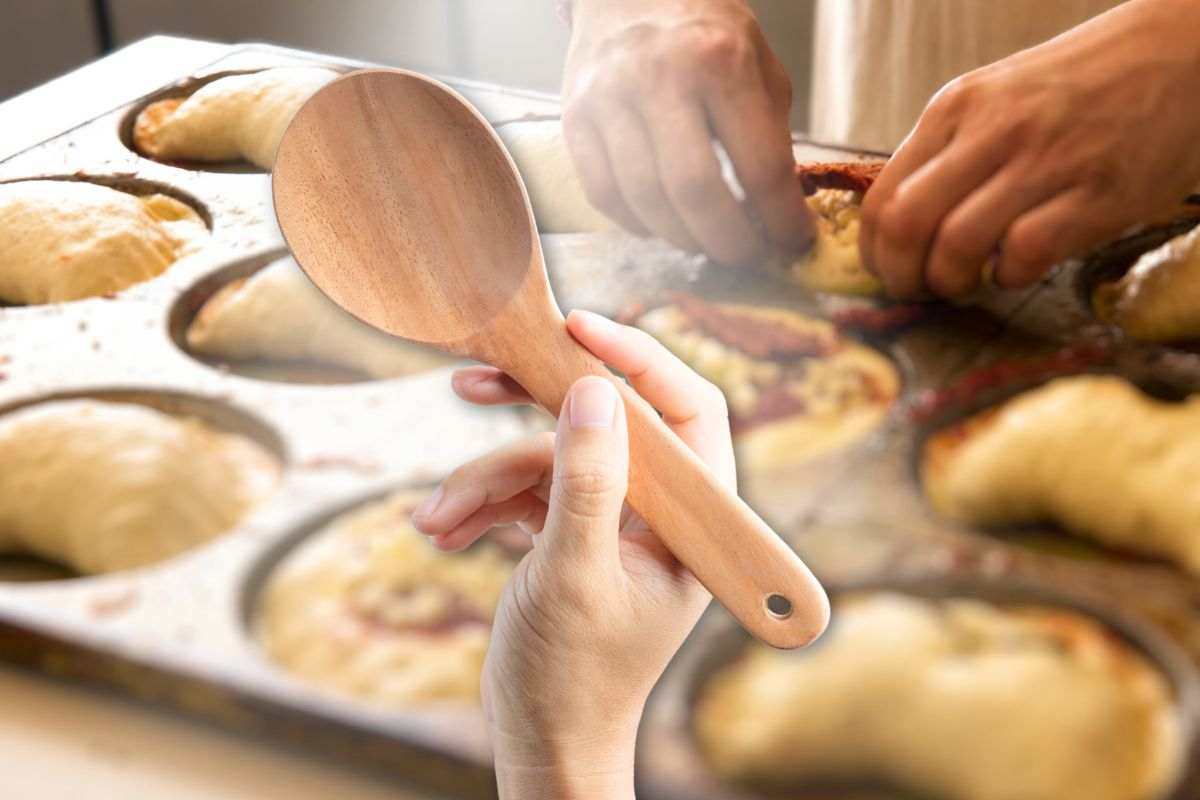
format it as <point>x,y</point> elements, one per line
<point>104,486</point>
<point>278,315</point>
<point>368,607</point>
<point>833,263</point>
<point>1091,453</point>
<point>238,117</point>
<point>1158,300</point>
<point>796,387</point>
<point>956,699</point>
<point>66,240</point>
<point>555,192</point>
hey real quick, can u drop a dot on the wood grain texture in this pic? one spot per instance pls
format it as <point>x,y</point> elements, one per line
<point>399,201</point>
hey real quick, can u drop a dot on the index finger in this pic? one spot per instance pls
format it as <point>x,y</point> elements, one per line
<point>918,148</point>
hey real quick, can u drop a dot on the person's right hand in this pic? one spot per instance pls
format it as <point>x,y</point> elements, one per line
<point>648,86</point>
<point>596,609</point>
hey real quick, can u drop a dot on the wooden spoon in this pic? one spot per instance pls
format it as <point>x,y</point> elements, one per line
<point>401,204</point>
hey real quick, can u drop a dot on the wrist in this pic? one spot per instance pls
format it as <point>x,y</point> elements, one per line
<point>578,767</point>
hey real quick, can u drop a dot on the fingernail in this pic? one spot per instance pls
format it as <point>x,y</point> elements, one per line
<point>598,322</point>
<point>593,403</point>
<point>429,504</point>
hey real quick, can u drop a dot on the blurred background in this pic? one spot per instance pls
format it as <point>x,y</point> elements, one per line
<point>517,43</point>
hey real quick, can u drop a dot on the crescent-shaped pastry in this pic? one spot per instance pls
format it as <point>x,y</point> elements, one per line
<point>238,117</point>
<point>833,264</point>
<point>66,240</point>
<point>555,192</point>
<point>956,699</point>
<point>104,486</point>
<point>796,387</point>
<point>278,315</point>
<point>368,607</point>
<point>1091,453</point>
<point>1158,299</point>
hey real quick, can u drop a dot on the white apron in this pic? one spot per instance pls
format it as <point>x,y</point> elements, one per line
<point>876,63</point>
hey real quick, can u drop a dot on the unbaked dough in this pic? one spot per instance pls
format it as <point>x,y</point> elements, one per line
<point>66,240</point>
<point>956,699</point>
<point>104,486</point>
<point>1158,300</point>
<point>833,264</point>
<point>1091,453</point>
<point>277,314</point>
<point>555,192</point>
<point>238,117</point>
<point>368,607</point>
<point>790,403</point>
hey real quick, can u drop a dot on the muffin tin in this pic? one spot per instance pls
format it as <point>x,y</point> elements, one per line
<point>179,633</point>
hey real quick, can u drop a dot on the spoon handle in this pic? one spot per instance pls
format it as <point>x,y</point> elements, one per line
<point>733,552</point>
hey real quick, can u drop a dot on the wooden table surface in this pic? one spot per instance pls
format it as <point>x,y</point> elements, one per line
<point>60,741</point>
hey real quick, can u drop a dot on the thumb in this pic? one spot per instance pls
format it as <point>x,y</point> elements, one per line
<point>591,472</point>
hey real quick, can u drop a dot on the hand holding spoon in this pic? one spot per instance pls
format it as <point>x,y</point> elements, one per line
<point>401,204</point>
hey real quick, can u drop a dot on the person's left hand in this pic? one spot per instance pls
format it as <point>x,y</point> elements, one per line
<point>1042,156</point>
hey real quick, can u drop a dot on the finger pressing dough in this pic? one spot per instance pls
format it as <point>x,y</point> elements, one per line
<point>833,263</point>
<point>66,240</point>
<point>956,699</point>
<point>238,117</point>
<point>1158,300</point>
<point>1090,453</point>
<point>368,607</point>
<point>796,387</point>
<point>277,314</point>
<point>104,486</point>
<point>555,191</point>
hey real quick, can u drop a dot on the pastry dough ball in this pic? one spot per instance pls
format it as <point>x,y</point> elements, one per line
<point>278,315</point>
<point>105,486</point>
<point>957,699</point>
<point>1090,453</point>
<point>833,264</point>
<point>1158,300</point>
<point>238,117</point>
<point>66,240</point>
<point>368,607</point>
<point>796,387</point>
<point>559,202</point>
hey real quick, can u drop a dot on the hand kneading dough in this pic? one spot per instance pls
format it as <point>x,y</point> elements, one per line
<point>65,240</point>
<point>106,486</point>
<point>1091,453</point>
<point>277,314</point>
<point>1158,300</point>
<point>833,264</point>
<point>958,699</point>
<point>559,202</point>
<point>238,117</point>
<point>368,607</point>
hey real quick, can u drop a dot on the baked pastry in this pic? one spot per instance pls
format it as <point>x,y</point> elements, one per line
<point>238,117</point>
<point>796,387</point>
<point>833,264</point>
<point>1091,453</point>
<point>103,486</point>
<point>957,699</point>
<point>368,607</point>
<point>1158,299</point>
<point>559,202</point>
<point>278,315</point>
<point>65,240</point>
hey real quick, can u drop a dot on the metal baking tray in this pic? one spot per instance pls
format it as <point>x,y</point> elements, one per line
<point>178,633</point>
